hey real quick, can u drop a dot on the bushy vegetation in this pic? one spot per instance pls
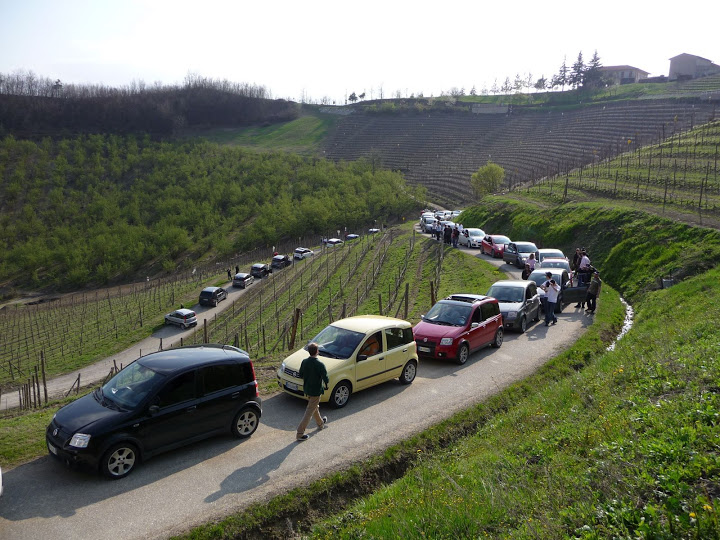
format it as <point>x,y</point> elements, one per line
<point>96,209</point>
<point>32,105</point>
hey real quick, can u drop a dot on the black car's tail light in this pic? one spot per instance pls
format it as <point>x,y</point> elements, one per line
<point>252,368</point>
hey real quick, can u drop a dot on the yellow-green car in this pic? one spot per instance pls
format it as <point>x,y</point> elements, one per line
<point>358,352</point>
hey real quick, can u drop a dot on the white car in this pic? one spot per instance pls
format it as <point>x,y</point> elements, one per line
<point>303,253</point>
<point>548,253</point>
<point>373,231</point>
<point>184,318</point>
<point>471,238</point>
<point>332,242</point>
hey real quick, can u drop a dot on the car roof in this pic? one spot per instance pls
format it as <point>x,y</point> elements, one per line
<point>241,275</point>
<point>258,265</point>
<point>172,360</point>
<point>554,259</point>
<point>519,283</point>
<point>370,323</point>
<point>210,289</point>
<point>494,236</point>
<point>550,250</point>
<point>466,298</point>
<point>553,271</point>
<point>334,240</point>
<point>278,257</point>
<point>524,244</point>
<point>301,249</point>
<point>184,311</point>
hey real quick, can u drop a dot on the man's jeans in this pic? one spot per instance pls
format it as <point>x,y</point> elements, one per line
<point>550,312</point>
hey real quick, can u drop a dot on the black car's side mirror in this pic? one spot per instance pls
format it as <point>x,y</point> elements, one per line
<point>362,357</point>
<point>153,410</point>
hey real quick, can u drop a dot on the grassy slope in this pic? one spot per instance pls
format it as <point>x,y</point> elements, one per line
<point>302,135</point>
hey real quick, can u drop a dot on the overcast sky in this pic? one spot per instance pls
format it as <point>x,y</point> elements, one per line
<point>325,48</point>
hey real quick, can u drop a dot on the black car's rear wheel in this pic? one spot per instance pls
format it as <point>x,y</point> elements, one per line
<point>245,423</point>
<point>119,461</point>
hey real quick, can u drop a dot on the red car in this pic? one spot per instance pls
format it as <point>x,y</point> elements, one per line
<point>494,244</point>
<point>458,325</point>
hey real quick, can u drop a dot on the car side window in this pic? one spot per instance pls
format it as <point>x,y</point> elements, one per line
<point>397,337</point>
<point>489,309</point>
<point>477,316</point>
<point>179,389</point>
<point>216,378</point>
<point>372,345</point>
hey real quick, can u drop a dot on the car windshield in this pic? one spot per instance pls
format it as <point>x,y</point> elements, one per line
<point>550,263</point>
<point>500,240</point>
<point>539,277</point>
<point>475,232</point>
<point>448,314</point>
<point>129,387</point>
<point>337,342</point>
<point>507,294</point>
<point>526,248</point>
<point>548,254</point>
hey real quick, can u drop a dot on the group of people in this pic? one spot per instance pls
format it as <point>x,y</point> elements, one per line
<point>588,275</point>
<point>447,233</point>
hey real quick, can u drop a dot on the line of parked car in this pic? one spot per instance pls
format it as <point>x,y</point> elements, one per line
<point>171,398</point>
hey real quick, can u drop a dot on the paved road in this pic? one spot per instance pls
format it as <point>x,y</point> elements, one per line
<point>177,490</point>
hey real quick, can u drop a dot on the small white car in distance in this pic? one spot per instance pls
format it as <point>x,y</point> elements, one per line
<point>184,318</point>
<point>302,253</point>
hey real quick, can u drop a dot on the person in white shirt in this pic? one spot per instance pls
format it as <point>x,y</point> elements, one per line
<point>584,269</point>
<point>552,290</point>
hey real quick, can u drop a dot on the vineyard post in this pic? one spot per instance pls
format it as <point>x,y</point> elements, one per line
<point>42,365</point>
<point>407,294</point>
<point>263,338</point>
<point>344,311</point>
<point>33,395</point>
<point>161,344</point>
<point>295,321</point>
<point>37,384</point>
<point>205,331</point>
<point>432,293</point>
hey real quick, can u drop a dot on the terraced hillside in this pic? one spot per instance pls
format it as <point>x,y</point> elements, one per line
<point>441,151</point>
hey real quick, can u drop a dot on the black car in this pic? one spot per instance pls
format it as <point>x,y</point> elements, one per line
<point>243,280</point>
<point>519,302</point>
<point>159,402</point>
<point>281,261</point>
<point>568,294</point>
<point>260,270</point>
<point>517,253</point>
<point>212,296</point>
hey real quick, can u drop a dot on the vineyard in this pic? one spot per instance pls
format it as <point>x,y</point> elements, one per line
<point>681,172</point>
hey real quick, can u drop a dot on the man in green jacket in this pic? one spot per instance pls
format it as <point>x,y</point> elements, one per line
<point>314,376</point>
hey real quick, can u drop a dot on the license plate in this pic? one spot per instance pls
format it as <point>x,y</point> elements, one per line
<point>52,449</point>
<point>291,386</point>
<point>424,349</point>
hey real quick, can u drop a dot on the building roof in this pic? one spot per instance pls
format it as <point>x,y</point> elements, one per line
<point>622,68</point>
<point>693,55</point>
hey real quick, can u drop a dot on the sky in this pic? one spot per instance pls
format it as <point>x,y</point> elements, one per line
<point>323,49</point>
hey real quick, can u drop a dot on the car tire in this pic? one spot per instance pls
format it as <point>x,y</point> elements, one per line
<point>463,354</point>
<point>119,460</point>
<point>497,342</point>
<point>340,394</point>
<point>183,326</point>
<point>492,254</point>
<point>522,325</point>
<point>245,423</point>
<point>409,372</point>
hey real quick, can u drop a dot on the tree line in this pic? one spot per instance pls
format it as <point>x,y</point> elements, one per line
<point>32,106</point>
<point>100,209</point>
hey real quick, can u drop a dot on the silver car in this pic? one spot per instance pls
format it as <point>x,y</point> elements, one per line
<point>471,238</point>
<point>519,302</point>
<point>184,318</point>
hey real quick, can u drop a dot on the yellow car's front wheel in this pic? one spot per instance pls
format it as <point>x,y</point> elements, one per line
<point>340,394</point>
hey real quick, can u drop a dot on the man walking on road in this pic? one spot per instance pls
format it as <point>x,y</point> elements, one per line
<point>314,376</point>
<point>551,294</point>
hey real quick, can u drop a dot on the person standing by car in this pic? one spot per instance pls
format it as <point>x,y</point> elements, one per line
<point>584,269</point>
<point>314,376</point>
<point>552,290</point>
<point>529,266</point>
<point>447,234</point>
<point>593,292</point>
<point>455,236</point>
<point>576,259</point>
